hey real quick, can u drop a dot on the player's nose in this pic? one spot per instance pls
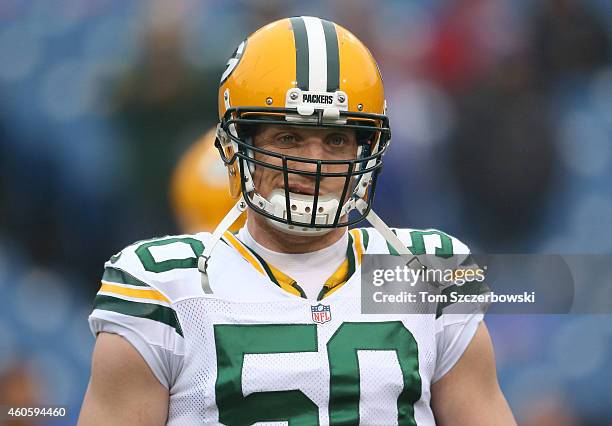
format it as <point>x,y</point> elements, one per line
<point>312,149</point>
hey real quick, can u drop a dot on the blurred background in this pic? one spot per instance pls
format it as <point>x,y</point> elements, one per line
<point>502,121</point>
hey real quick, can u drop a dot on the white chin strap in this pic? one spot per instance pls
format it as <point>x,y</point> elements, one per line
<point>411,260</point>
<point>225,223</point>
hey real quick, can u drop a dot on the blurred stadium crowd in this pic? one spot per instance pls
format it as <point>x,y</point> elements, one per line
<point>501,114</point>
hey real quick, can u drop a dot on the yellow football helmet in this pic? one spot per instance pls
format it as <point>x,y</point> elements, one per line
<point>198,190</point>
<point>303,71</point>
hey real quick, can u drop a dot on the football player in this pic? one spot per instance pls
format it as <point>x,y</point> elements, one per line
<point>198,188</point>
<point>265,325</point>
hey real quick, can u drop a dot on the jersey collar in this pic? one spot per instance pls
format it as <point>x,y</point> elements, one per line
<point>357,244</point>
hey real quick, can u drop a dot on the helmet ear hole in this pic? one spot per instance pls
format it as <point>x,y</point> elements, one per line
<point>365,136</point>
<point>234,180</point>
<point>366,148</point>
<point>223,152</point>
<point>233,173</point>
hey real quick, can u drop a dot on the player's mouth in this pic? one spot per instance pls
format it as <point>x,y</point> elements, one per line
<point>302,190</point>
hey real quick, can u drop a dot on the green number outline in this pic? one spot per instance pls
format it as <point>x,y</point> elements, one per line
<point>233,341</point>
<point>342,350</point>
<point>149,263</point>
<point>418,243</point>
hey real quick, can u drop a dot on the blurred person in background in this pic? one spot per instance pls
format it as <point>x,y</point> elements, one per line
<point>503,155</point>
<point>28,183</point>
<point>569,39</point>
<point>500,151</point>
<point>199,191</point>
<point>549,411</point>
<point>178,318</point>
<point>161,104</point>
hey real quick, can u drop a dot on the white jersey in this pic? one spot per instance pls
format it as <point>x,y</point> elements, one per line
<point>255,351</point>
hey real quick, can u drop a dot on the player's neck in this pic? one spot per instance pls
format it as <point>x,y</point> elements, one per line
<point>276,240</point>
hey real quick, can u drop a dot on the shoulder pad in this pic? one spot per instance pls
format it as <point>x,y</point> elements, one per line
<point>168,265</point>
<point>432,247</point>
<point>432,242</point>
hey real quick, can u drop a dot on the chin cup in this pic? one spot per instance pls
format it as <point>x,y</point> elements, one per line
<point>301,211</point>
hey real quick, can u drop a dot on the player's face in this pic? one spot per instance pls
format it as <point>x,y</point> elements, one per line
<point>313,143</point>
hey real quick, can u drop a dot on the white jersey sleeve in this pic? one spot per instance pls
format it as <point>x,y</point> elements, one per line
<point>454,331</point>
<point>452,339</point>
<point>135,300</point>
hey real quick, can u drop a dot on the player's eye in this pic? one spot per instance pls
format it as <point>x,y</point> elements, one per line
<point>337,140</point>
<point>286,138</point>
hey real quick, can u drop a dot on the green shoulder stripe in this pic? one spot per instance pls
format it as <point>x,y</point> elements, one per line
<point>150,311</point>
<point>350,255</point>
<point>116,275</point>
<point>366,237</point>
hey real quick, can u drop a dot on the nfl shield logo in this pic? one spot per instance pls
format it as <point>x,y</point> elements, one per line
<point>320,313</point>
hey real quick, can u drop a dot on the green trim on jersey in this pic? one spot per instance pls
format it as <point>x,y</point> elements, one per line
<point>116,275</point>
<point>417,242</point>
<point>150,264</point>
<point>331,284</point>
<point>151,311</point>
<point>350,255</point>
<point>264,264</point>
<point>366,238</point>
